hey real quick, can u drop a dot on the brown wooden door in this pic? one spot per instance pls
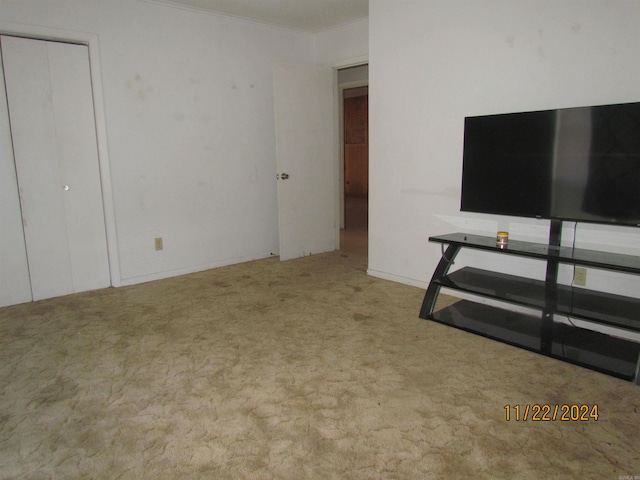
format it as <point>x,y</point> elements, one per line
<point>356,139</point>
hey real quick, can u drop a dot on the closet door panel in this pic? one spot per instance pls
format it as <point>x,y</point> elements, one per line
<point>33,126</point>
<point>79,165</point>
<point>14,271</point>
<point>51,112</point>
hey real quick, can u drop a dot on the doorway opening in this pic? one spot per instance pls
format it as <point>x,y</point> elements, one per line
<point>355,156</point>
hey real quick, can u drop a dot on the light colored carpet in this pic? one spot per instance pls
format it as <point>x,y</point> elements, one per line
<point>307,369</point>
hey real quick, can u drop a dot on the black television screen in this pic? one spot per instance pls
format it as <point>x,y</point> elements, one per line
<point>578,164</point>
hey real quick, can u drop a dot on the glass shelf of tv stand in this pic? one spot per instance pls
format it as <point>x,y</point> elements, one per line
<point>576,256</point>
<point>594,350</point>
<point>606,353</point>
<point>615,311</point>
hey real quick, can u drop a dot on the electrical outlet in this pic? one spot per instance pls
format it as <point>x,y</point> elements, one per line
<point>158,242</point>
<point>580,276</point>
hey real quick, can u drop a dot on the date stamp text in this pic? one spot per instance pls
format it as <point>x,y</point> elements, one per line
<point>551,413</point>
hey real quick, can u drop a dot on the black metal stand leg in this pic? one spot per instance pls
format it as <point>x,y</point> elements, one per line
<point>551,287</point>
<point>429,302</point>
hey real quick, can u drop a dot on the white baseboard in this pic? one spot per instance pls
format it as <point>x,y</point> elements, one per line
<point>193,269</point>
<point>398,279</point>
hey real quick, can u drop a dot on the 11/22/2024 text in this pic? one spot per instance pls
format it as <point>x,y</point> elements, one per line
<point>551,413</point>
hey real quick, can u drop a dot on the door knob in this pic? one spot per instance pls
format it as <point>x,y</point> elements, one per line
<point>284,176</point>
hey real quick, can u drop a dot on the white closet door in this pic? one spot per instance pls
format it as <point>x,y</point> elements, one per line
<point>14,271</point>
<point>50,101</point>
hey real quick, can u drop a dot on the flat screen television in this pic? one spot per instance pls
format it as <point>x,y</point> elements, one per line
<point>579,164</point>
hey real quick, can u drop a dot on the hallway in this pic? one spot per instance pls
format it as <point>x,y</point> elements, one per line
<point>354,237</point>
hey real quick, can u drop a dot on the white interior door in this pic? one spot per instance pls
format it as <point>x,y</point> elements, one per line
<point>306,159</point>
<point>48,86</point>
<point>14,271</point>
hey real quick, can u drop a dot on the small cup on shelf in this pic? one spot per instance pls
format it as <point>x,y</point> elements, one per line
<point>502,239</point>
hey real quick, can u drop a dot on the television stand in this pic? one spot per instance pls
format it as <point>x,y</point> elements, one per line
<point>549,329</point>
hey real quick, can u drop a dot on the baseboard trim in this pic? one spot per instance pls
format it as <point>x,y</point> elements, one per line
<point>397,278</point>
<point>186,271</point>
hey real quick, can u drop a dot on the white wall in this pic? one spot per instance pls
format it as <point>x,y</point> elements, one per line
<point>433,62</point>
<point>188,107</point>
<point>343,46</point>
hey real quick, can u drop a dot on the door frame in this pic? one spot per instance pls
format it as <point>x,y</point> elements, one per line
<point>340,133</point>
<point>91,41</point>
<point>342,87</point>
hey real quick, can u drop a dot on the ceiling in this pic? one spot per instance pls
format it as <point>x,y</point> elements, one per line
<point>306,15</point>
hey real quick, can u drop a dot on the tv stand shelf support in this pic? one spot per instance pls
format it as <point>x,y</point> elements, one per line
<point>551,331</point>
